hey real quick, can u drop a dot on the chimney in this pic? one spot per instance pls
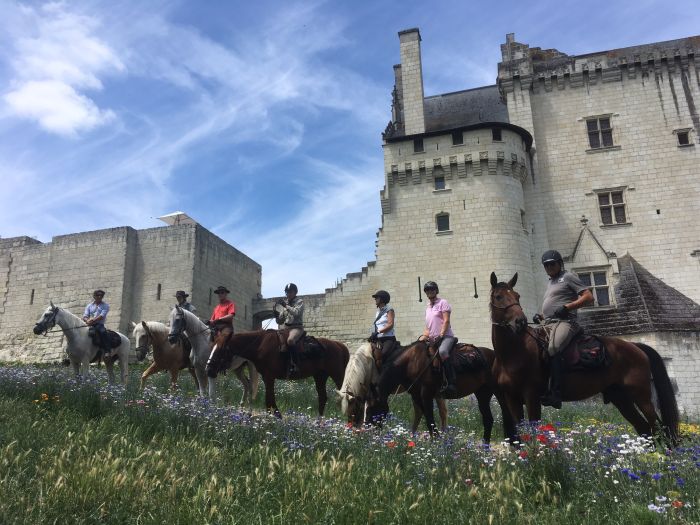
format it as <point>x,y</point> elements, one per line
<point>412,81</point>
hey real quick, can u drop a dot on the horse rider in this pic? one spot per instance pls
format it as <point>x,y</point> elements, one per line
<point>439,332</point>
<point>292,318</point>
<point>564,295</point>
<point>182,301</point>
<point>224,312</point>
<point>383,326</point>
<point>95,316</point>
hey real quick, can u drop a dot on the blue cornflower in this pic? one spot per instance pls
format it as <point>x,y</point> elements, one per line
<point>656,477</point>
<point>633,476</point>
<point>680,482</point>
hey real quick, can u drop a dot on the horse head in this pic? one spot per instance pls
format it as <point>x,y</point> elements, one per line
<point>142,336</point>
<point>178,324</point>
<point>47,320</point>
<point>505,305</point>
<point>221,356</point>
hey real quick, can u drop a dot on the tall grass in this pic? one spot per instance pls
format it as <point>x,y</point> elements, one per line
<point>89,453</point>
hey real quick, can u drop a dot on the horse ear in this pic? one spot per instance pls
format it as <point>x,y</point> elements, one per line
<point>514,280</point>
<point>494,280</point>
<point>132,325</point>
<point>145,327</point>
<point>51,303</point>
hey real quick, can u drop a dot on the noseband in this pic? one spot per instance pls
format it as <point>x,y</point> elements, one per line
<point>49,323</point>
<point>503,309</point>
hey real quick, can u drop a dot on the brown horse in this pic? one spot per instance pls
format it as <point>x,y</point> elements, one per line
<point>166,356</point>
<point>411,368</point>
<point>626,381</point>
<point>262,347</point>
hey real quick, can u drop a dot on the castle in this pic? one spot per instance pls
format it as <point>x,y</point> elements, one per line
<point>595,155</point>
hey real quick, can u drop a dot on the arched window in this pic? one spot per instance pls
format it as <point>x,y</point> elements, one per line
<point>442,222</point>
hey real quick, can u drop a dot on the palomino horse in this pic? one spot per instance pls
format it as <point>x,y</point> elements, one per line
<point>411,368</point>
<point>80,348</point>
<point>625,381</point>
<point>358,394</point>
<point>185,322</point>
<point>166,356</point>
<point>262,347</point>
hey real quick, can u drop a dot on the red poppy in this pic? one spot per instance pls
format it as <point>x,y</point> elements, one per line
<point>523,454</point>
<point>677,504</point>
<point>526,437</point>
<point>411,444</point>
<point>391,444</point>
<point>542,439</point>
<point>547,428</point>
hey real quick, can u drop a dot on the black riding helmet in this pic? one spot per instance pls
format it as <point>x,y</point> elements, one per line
<point>291,287</point>
<point>551,256</point>
<point>383,296</point>
<point>431,285</point>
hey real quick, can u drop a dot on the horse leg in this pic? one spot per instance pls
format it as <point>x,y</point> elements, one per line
<point>109,365</point>
<point>534,406</point>
<point>320,380</point>
<point>417,414</point>
<point>148,372</point>
<point>509,430</point>
<point>247,398</point>
<point>194,377</point>
<point>427,402</point>
<point>124,368</point>
<point>174,372</point>
<point>211,383</point>
<point>76,367</point>
<point>202,380</point>
<point>625,405</point>
<point>483,397</point>
<point>442,410</point>
<point>270,403</point>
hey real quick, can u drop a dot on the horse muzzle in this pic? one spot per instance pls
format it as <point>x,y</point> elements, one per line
<point>38,329</point>
<point>172,338</point>
<point>211,372</point>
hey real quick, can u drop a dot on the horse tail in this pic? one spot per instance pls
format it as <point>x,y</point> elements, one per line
<point>664,391</point>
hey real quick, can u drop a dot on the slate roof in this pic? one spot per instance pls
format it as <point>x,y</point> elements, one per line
<point>644,304</point>
<point>464,108</point>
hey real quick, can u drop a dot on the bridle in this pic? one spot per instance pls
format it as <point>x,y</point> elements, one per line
<point>503,309</point>
<point>49,323</point>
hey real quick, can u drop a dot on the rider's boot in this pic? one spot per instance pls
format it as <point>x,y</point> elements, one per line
<point>449,387</point>
<point>553,396</point>
<point>292,349</point>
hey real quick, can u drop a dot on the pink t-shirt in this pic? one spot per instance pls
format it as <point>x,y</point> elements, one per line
<point>434,320</point>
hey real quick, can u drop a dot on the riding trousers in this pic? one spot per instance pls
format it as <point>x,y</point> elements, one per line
<point>387,343</point>
<point>446,346</point>
<point>294,335</point>
<point>560,334</point>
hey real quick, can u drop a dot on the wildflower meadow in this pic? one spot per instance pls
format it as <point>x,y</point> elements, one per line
<point>88,452</point>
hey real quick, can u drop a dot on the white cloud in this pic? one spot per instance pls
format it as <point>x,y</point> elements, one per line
<point>55,60</point>
<point>57,107</point>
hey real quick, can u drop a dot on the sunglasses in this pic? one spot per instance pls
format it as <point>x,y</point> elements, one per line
<point>550,263</point>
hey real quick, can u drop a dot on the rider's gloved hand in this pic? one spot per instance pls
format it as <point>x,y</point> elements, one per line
<point>561,313</point>
<point>537,319</point>
<point>437,342</point>
<point>208,322</point>
<point>373,337</point>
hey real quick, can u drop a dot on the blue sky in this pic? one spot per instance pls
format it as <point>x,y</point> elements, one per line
<point>262,120</point>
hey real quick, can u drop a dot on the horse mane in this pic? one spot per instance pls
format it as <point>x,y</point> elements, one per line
<point>193,317</point>
<point>72,317</point>
<point>358,373</point>
<point>156,327</point>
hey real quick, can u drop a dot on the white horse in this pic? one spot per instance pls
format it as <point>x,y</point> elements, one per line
<point>184,321</point>
<point>359,390</point>
<point>80,348</point>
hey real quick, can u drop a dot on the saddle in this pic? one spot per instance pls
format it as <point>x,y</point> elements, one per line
<point>112,338</point>
<point>467,358</point>
<point>308,346</point>
<point>584,352</point>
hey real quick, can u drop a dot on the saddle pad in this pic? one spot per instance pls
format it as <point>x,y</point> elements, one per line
<point>467,357</point>
<point>586,351</point>
<point>113,338</point>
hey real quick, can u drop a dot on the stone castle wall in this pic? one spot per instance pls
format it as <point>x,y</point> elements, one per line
<point>140,270</point>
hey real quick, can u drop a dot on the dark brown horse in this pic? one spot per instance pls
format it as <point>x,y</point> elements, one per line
<point>626,381</point>
<point>262,347</point>
<point>412,369</point>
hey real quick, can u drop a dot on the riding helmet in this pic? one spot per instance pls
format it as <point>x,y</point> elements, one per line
<point>431,285</point>
<point>291,287</point>
<point>383,296</point>
<point>551,256</point>
<point>99,292</point>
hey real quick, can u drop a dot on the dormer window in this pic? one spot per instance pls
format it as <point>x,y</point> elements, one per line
<point>440,183</point>
<point>418,146</point>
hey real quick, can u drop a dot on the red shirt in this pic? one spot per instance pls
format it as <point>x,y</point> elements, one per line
<point>222,310</point>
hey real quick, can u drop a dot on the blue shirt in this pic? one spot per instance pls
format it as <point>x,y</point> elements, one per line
<point>383,320</point>
<point>94,310</point>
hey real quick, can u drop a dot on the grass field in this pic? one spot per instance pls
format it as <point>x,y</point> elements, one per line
<point>90,453</point>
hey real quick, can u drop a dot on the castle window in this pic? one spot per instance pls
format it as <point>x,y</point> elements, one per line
<point>496,135</point>
<point>599,132</point>
<point>612,207</point>
<point>158,292</point>
<point>683,137</point>
<point>439,183</point>
<point>442,222</point>
<point>597,283</point>
<point>457,138</point>
<point>418,146</point>
<point>210,292</point>
<point>31,298</point>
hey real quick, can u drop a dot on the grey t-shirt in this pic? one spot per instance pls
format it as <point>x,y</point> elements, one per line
<point>561,290</point>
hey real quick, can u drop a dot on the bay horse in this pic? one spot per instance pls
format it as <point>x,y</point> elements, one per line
<point>411,369</point>
<point>183,321</point>
<point>79,346</point>
<point>358,394</point>
<point>262,347</point>
<point>625,382</point>
<point>166,356</point>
